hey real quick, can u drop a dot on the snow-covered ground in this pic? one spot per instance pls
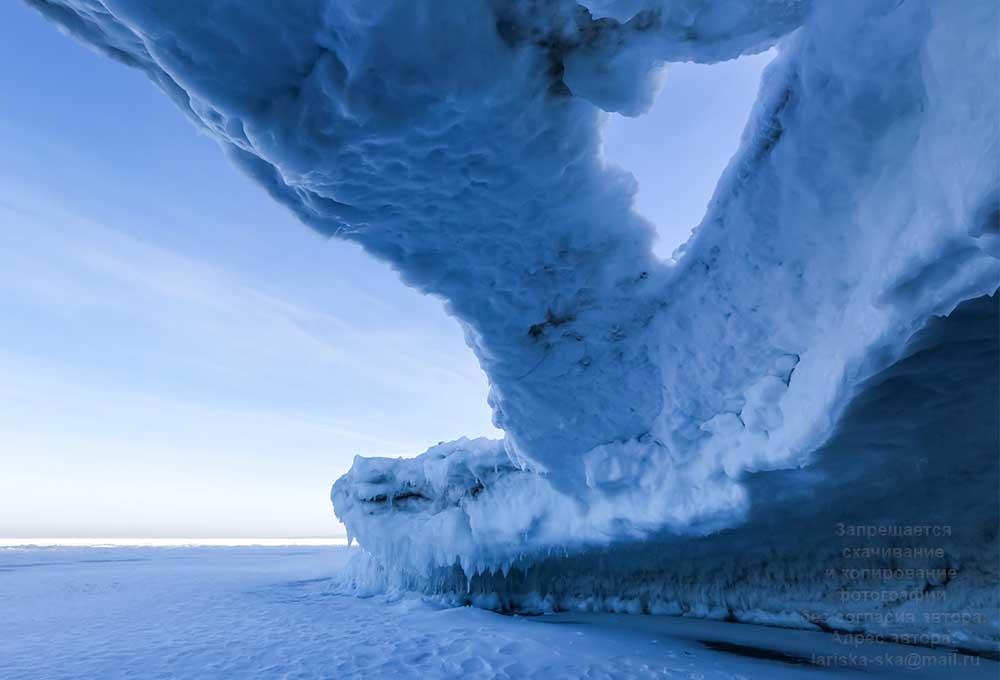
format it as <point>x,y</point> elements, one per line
<point>275,612</point>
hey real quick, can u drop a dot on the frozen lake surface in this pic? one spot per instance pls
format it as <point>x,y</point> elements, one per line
<point>272,612</point>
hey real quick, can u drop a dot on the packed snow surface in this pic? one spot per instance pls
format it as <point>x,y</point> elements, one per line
<point>267,612</point>
<point>460,141</point>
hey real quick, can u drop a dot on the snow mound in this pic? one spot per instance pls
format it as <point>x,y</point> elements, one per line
<point>461,142</point>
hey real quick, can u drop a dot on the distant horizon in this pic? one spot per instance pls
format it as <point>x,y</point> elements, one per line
<point>179,541</point>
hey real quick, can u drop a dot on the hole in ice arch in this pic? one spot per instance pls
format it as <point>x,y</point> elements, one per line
<point>678,150</point>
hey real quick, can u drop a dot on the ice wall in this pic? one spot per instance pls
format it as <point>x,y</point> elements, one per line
<point>890,531</point>
<point>460,141</point>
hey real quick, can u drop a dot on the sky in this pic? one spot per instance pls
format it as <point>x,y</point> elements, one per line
<point>180,357</point>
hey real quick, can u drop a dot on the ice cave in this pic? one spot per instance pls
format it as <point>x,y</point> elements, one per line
<point>797,407</point>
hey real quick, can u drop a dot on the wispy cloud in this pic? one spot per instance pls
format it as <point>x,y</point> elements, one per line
<point>141,380</point>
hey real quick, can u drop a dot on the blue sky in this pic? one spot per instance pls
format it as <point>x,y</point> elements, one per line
<point>181,357</point>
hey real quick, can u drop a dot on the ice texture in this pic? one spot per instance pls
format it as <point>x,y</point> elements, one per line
<point>461,142</point>
<point>891,530</point>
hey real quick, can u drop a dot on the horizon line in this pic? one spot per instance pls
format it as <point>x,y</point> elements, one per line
<point>180,541</point>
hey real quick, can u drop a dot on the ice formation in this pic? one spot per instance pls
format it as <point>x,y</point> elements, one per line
<point>695,404</point>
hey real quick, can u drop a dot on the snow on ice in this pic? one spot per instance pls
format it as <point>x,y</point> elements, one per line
<point>267,612</point>
<point>696,428</point>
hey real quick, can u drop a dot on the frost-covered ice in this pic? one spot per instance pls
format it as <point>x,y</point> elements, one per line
<point>206,613</point>
<point>820,547</point>
<point>642,402</point>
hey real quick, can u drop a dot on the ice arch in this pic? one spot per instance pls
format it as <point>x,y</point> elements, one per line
<point>459,141</point>
<point>445,137</point>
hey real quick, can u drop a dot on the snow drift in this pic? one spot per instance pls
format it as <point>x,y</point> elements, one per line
<point>642,402</point>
